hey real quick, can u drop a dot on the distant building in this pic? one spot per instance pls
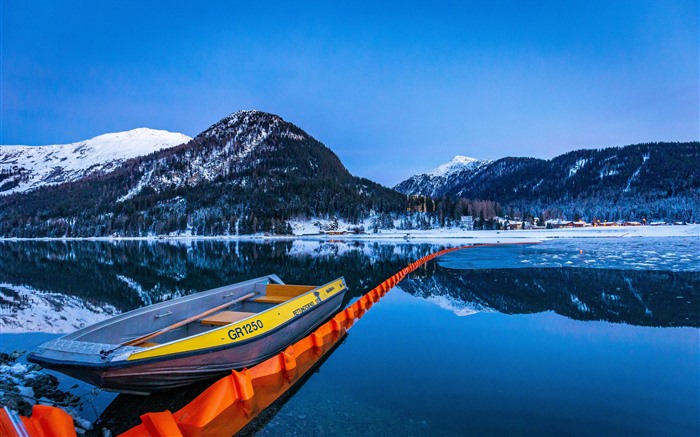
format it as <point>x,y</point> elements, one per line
<point>467,222</point>
<point>605,224</point>
<point>336,232</point>
<point>558,223</point>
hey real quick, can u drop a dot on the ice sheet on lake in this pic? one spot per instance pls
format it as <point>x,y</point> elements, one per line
<point>667,254</point>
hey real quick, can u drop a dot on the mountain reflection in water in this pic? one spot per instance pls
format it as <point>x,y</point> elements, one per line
<point>131,274</point>
<point>645,298</point>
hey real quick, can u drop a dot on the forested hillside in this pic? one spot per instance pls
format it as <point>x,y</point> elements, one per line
<point>652,180</point>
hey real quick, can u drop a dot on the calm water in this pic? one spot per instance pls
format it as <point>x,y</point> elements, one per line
<point>568,337</point>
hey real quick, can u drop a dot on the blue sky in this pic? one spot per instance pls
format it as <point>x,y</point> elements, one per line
<point>394,88</point>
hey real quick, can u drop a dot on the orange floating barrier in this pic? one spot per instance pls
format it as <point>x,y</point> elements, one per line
<point>232,402</point>
<point>160,424</point>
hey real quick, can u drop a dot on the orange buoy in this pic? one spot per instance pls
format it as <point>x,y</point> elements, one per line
<point>45,421</point>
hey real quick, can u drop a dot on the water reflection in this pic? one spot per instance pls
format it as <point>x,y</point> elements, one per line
<point>97,279</point>
<point>124,412</point>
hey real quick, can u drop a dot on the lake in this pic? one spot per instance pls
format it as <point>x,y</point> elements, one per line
<point>567,337</point>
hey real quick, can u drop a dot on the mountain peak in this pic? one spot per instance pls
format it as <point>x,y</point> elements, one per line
<point>458,163</point>
<point>244,142</point>
<point>251,127</point>
<point>251,113</point>
<point>463,159</point>
<point>248,116</point>
<point>131,143</point>
<point>243,117</point>
<point>243,131</point>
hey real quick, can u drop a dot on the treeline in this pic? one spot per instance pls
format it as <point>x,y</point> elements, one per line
<point>188,213</point>
<point>423,213</point>
<point>12,177</point>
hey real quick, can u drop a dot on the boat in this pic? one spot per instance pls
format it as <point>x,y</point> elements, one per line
<point>191,338</point>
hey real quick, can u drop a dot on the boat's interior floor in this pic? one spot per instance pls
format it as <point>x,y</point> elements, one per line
<point>232,314</point>
<point>274,295</point>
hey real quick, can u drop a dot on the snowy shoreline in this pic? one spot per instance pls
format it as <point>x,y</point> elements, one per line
<point>443,235</point>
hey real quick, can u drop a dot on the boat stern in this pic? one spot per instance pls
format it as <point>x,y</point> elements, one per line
<point>82,360</point>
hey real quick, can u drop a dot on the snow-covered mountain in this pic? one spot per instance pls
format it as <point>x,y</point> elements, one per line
<point>24,168</point>
<point>433,183</point>
<point>457,164</point>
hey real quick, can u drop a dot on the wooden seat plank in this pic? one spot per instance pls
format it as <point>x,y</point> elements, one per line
<point>271,299</point>
<point>287,290</point>
<point>225,317</point>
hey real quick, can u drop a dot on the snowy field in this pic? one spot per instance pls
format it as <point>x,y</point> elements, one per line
<point>307,230</point>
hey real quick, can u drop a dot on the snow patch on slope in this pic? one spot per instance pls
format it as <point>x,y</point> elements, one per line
<point>455,306</point>
<point>137,189</point>
<point>578,166</point>
<point>145,297</point>
<point>627,189</point>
